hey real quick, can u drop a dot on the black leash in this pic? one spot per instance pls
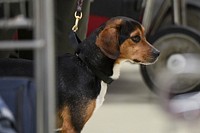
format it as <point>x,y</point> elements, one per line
<point>75,41</point>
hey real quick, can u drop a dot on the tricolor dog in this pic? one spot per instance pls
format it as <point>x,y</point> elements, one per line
<point>82,78</point>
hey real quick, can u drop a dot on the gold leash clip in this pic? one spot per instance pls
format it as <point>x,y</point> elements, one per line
<point>78,17</point>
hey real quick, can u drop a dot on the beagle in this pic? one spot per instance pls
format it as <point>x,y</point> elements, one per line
<point>82,78</point>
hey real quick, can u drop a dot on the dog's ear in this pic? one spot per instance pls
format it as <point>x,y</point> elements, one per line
<point>108,42</point>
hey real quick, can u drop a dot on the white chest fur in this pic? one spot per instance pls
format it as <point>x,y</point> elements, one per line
<point>116,69</point>
<point>100,99</point>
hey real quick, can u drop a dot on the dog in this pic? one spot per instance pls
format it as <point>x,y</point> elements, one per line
<point>82,78</point>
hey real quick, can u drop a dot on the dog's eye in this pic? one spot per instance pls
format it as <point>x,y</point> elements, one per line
<point>136,39</point>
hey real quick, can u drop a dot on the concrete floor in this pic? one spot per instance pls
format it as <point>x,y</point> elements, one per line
<point>130,107</point>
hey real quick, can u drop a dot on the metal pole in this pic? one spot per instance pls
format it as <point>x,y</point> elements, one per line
<point>159,16</point>
<point>39,68</point>
<point>45,67</point>
<point>50,67</point>
<point>148,13</point>
<point>183,12</point>
<point>176,12</point>
<point>39,77</point>
<point>179,11</point>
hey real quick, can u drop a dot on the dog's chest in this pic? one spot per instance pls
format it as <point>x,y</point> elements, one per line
<point>100,98</point>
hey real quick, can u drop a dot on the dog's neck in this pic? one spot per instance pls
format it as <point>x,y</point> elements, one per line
<point>93,56</point>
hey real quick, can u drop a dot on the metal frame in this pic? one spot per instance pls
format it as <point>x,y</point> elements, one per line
<point>179,12</point>
<point>150,21</point>
<point>42,23</point>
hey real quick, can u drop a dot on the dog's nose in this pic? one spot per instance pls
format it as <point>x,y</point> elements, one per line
<point>156,53</point>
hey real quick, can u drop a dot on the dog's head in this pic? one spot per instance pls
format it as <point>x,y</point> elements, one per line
<point>123,38</point>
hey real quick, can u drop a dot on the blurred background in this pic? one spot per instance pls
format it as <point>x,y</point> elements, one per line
<point>160,98</point>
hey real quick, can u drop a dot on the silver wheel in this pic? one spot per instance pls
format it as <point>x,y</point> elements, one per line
<point>179,46</point>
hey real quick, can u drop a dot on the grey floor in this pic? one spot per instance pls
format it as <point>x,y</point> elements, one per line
<point>130,107</point>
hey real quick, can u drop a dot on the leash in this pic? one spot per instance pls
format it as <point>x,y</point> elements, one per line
<point>75,41</point>
<point>78,15</point>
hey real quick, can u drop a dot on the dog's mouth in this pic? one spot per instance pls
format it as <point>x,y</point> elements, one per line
<point>151,61</point>
<point>136,61</point>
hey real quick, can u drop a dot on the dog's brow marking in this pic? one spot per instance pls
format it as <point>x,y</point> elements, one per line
<point>136,32</point>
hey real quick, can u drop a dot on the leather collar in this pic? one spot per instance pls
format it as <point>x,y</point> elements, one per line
<point>98,73</point>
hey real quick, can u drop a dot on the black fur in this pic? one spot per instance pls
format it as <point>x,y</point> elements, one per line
<point>77,85</point>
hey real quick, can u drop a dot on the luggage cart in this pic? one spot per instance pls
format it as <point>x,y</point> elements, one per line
<point>36,15</point>
<point>175,77</point>
<point>179,43</point>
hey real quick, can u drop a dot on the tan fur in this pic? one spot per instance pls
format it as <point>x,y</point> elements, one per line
<point>140,51</point>
<point>107,41</point>
<point>90,110</point>
<point>65,117</point>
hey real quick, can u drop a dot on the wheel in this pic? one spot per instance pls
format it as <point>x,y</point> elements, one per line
<point>175,44</point>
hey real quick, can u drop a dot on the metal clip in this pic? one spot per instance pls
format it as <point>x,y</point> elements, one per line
<point>78,17</point>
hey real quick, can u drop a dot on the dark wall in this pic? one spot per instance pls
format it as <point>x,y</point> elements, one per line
<point>111,8</point>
